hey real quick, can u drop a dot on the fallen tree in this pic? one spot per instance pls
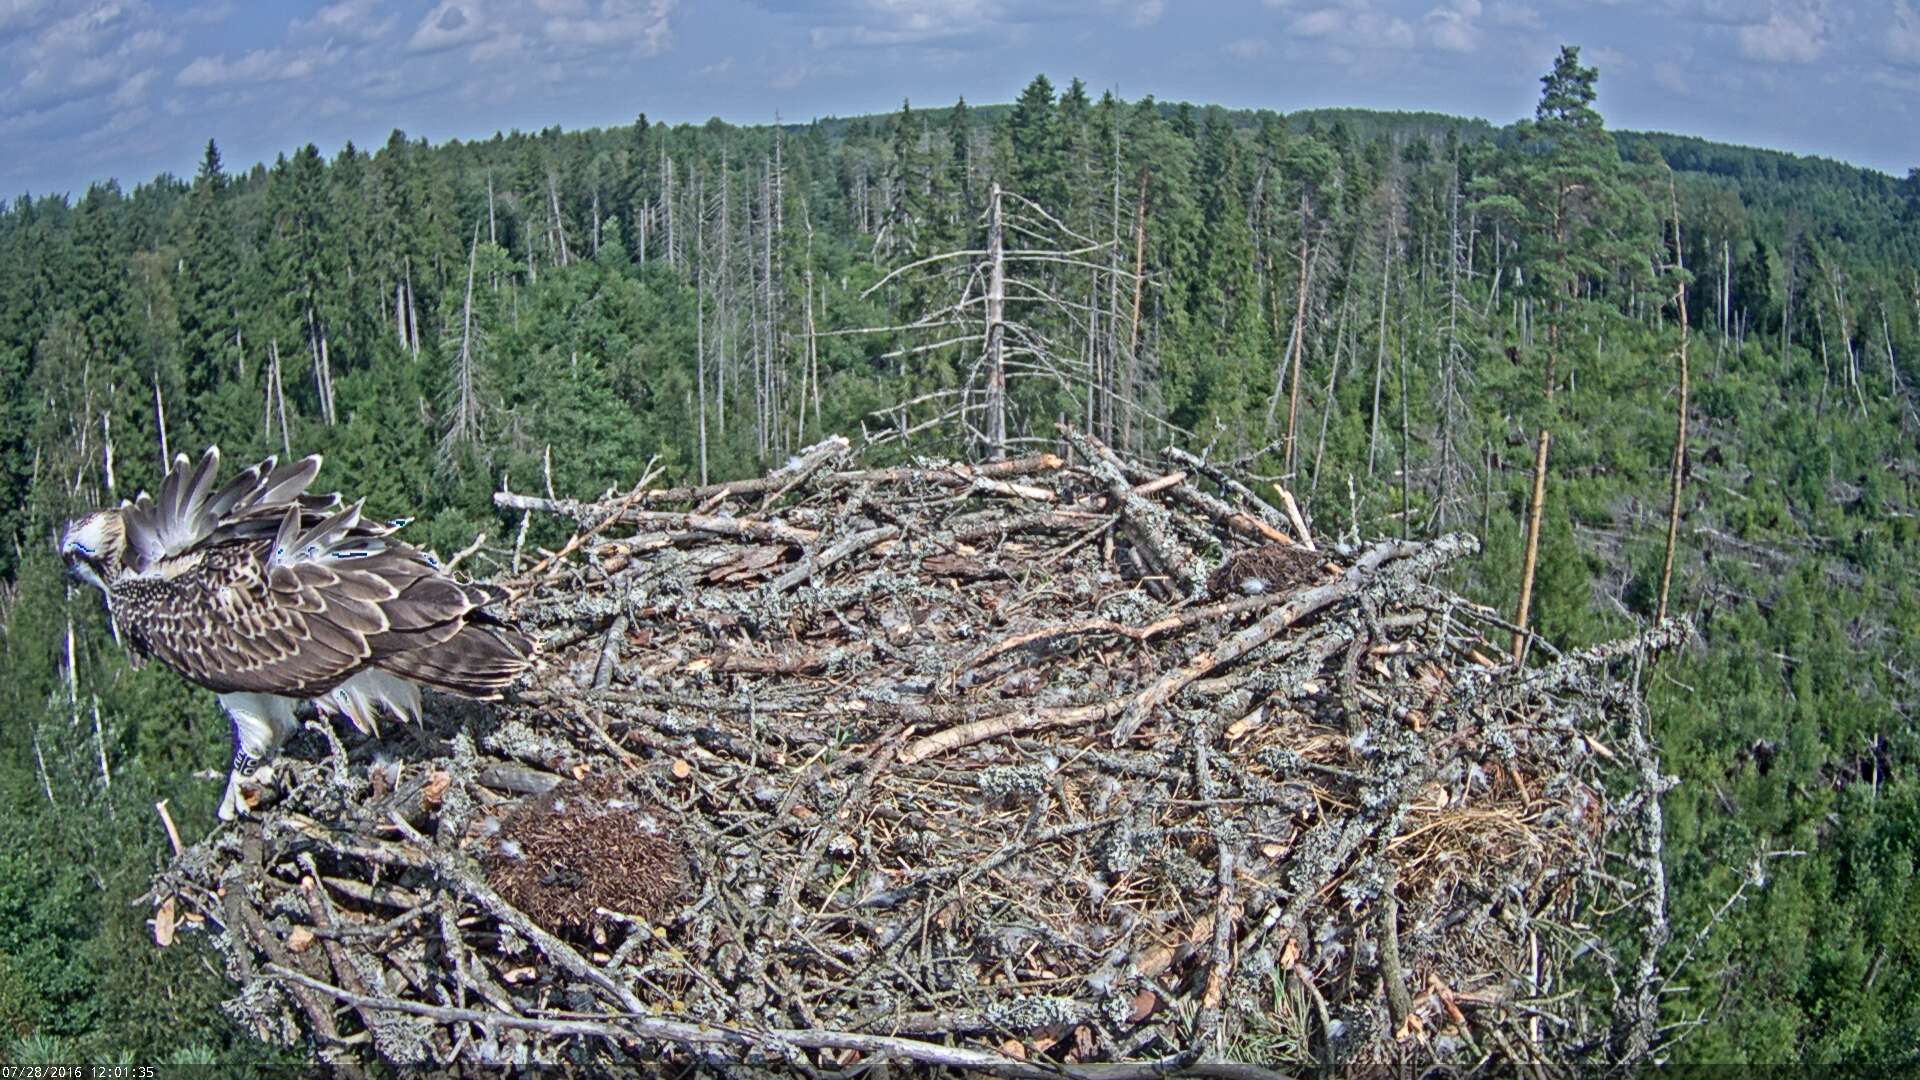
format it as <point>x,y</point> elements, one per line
<point>1022,765</point>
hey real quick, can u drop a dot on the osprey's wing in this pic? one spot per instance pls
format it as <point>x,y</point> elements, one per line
<point>307,608</point>
<point>188,511</point>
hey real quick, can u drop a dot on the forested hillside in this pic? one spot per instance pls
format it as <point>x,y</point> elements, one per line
<point>1382,311</point>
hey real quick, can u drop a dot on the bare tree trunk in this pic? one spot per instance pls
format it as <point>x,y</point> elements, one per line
<point>666,195</point>
<point>1131,385</point>
<point>1727,291</point>
<point>466,399</point>
<point>768,413</point>
<point>1450,358</point>
<point>160,420</point>
<point>400,312</point>
<point>1297,343</point>
<point>322,366</point>
<point>813,348</point>
<point>1846,336</point>
<point>1406,440</point>
<point>1380,353</point>
<point>1826,362</point>
<point>1342,341</point>
<point>1520,635</point>
<point>1111,347</point>
<point>1680,425</point>
<point>700,318</point>
<point>1886,336</point>
<point>277,398</point>
<point>553,208</point>
<point>493,231</point>
<point>996,331</point>
<point>106,451</point>
<point>725,328</point>
<point>326,370</point>
<point>413,314</point>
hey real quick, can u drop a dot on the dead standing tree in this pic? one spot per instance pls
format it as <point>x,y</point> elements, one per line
<point>1016,325</point>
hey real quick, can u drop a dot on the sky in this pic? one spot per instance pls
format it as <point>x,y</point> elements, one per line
<point>92,89</point>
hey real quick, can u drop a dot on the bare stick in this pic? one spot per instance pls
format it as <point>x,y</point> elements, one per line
<point>1293,514</point>
<point>1299,607</point>
<point>173,834</point>
<point>464,552</point>
<point>1533,548</point>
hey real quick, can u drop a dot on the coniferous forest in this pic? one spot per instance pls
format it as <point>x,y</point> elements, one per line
<point>1386,311</point>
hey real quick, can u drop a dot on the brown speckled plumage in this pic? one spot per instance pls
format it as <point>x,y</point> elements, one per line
<point>231,621</point>
<point>270,596</point>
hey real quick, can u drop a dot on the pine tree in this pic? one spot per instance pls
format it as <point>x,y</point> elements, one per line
<point>210,338</point>
<point>1034,132</point>
<point>960,157</point>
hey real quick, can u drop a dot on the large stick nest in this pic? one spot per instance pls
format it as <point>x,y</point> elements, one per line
<point>1021,762</point>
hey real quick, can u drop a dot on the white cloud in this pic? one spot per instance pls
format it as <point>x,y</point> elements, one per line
<point>351,20</point>
<point>1453,26</point>
<point>1140,13</point>
<point>908,22</point>
<point>133,89</point>
<point>718,69</point>
<point>504,43</point>
<point>1795,36</point>
<point>449,25</point>
<point>793,75</point>
<point>84,54</point>
<point>258,66</point>
<point>646,24</point>
<point>1356,24</point>
<point>1247,48</point>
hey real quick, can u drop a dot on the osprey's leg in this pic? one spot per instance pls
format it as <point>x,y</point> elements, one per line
<point>260,723</point>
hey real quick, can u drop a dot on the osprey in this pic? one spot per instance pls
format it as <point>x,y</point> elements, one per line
<point>269,596</point>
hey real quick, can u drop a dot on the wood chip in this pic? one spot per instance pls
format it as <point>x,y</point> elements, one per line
<point>163,922</point>
<point>435,789</point>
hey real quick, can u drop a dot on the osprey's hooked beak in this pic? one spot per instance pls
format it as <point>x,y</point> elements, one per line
<point>84,564</point>
<point>86,569</point>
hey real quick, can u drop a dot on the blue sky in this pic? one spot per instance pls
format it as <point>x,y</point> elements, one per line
<point>129,88</point>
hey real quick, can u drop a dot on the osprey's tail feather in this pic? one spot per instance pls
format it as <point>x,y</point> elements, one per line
<point>478,662</point>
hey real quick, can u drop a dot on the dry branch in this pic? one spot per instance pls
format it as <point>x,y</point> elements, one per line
<point>1018,766</point>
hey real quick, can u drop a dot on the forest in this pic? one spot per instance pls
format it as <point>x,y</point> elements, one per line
<point>1396,315</point>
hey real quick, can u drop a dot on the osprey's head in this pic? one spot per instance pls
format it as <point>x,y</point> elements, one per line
<point>95,547</point>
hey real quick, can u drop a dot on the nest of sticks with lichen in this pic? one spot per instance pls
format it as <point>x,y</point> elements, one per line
<point>1060,759</point>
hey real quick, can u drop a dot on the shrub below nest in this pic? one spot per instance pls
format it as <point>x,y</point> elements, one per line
<point>585,848</point>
